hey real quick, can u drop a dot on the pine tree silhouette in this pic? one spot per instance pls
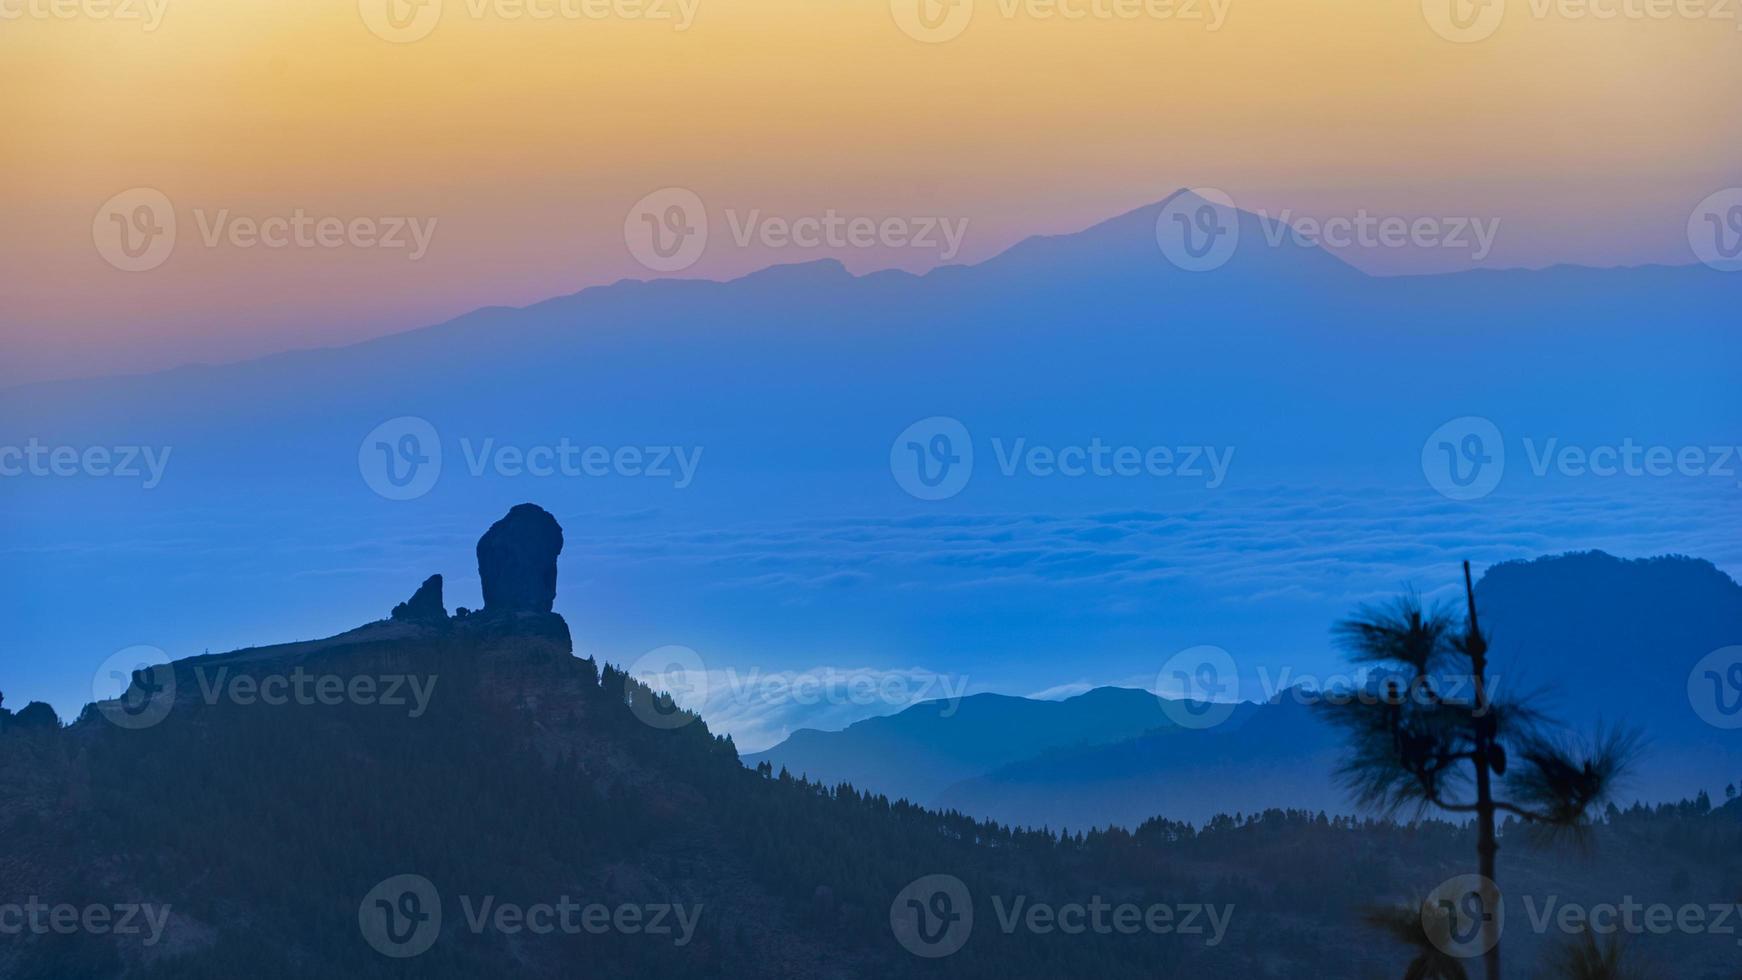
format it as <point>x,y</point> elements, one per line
<point>1414,747</point>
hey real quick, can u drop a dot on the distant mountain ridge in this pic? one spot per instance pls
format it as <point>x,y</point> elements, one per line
<point>1603,640</point>
<point>928,747</point>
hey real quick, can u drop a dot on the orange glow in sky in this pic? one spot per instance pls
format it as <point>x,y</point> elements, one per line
<point>515,135</point>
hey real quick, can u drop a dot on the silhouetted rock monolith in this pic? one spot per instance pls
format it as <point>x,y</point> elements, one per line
<point>425,605</point>
<point>517,561</point>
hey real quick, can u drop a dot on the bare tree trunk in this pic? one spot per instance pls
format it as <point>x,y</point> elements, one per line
<point>1486,844</point>
<point>1486,848</point>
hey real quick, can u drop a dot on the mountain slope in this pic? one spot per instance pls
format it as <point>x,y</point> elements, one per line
<point>1281,757</point>
<point>918,752</point>
<point>275,838</point>
<point>1592,639</point>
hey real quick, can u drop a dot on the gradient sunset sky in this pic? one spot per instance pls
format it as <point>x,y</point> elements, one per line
<point>528,140</point>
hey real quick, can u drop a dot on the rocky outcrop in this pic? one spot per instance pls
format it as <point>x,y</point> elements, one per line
<point>517,561</point>
<point>425,605</point>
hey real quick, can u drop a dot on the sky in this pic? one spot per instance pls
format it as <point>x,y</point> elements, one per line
<point>496,151</point>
